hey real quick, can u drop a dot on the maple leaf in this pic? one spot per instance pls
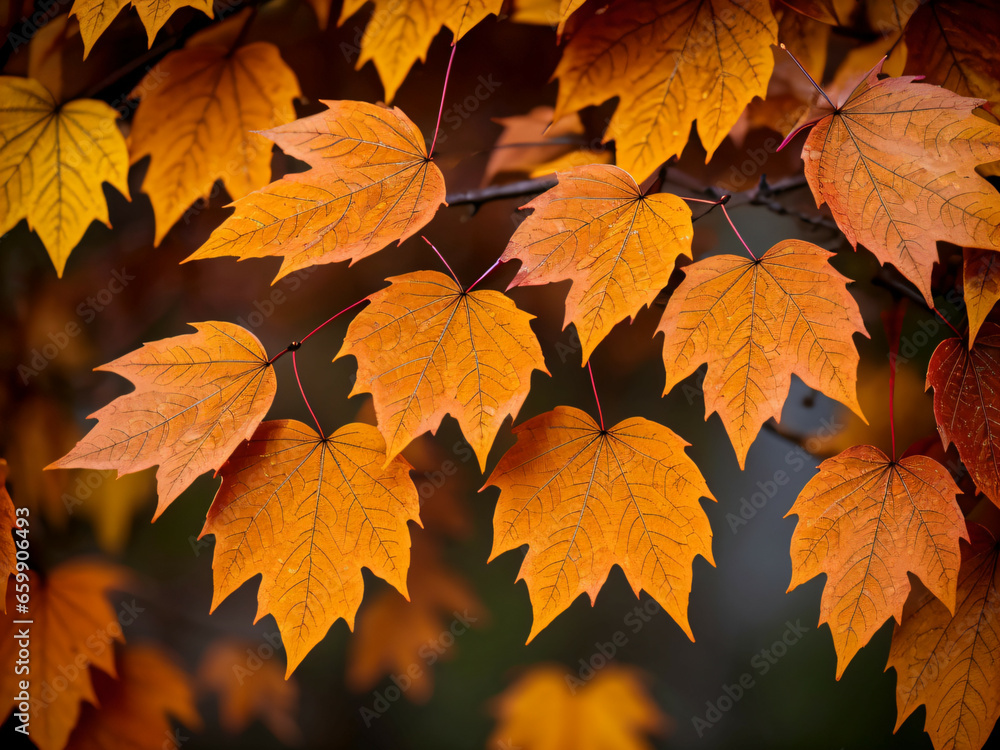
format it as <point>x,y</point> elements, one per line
<point>216,98</point>
<point>585,499</point>
<point>196,398</point>
<point>306,513</point>
<point>8,522</point>
<point>394,633</point>
<point>535,145</point>
<point>948,661</point>
<point>245,694</point>
<point>756,323</point>
<point>981,285</point>
<point>53,159</point>
<point>954,44</point>
<point>896,165</point>
<point>670,62</point>
<point>867,522</point>
<point>134,707</point>
<point>371,183</point>
<point>612,710</point>
<point>966,385</point>
<point>73,627</point>
<point>426,347</point>
<point>617,246</point>
<point>96,15</point>
<point>401,31</point>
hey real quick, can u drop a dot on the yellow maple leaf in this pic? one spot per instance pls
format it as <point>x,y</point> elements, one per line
<point>53,160</point>
<point>216,99</point>
<point>400,33</point>
<point>96,15</point>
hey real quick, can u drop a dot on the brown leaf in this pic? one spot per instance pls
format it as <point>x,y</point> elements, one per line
<point>967,404</point>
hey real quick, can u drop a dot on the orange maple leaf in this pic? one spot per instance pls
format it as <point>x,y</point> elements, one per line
<point>8,522</point>
<point>73,628</point>
<point>585,499</point>
<point>371,183</point>
<point>756,322</point>
<point>896,165</point>
<point>246,694</point>
<point>981,284</point>
<point>670,62</point>
<point>216,98</point>
<point>542,710</point>
<point>966,385</point>
<point>867,522</point>
<point>617,245</point>
<point>196,398</point>
<point>426,348</point>
<point>401,31</point>
<point>948,661</point>
<point>832,12</point>
<point>406,638</point>
<point>135,707</point>
<point>306,513</point>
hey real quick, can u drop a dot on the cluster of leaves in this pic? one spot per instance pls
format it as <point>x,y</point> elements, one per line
<point>899,163</point>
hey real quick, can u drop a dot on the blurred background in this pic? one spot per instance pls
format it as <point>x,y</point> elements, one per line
<point>749,631</point>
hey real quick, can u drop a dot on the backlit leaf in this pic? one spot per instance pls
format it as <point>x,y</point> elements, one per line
<point>307,513</point>
<point>215,100</point>
<point>53,161</point>
<point>401,31</point>
<point>948,662</point>
<point>615,244</point>
<point>584,499</point>
<point>371,183</point>
<point>196,398</point>
<point>867,523</point>
<point>547,710</point>
<point>670,62</point>
<point>967,404</point>
<point>756,323</point>
<point>981,284</point>
<point>73,629</point>
<point>135,709</point>
<point>426,348</point>
<point>896,165</point>
<point>96,15</point>
<point>246,694</point>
